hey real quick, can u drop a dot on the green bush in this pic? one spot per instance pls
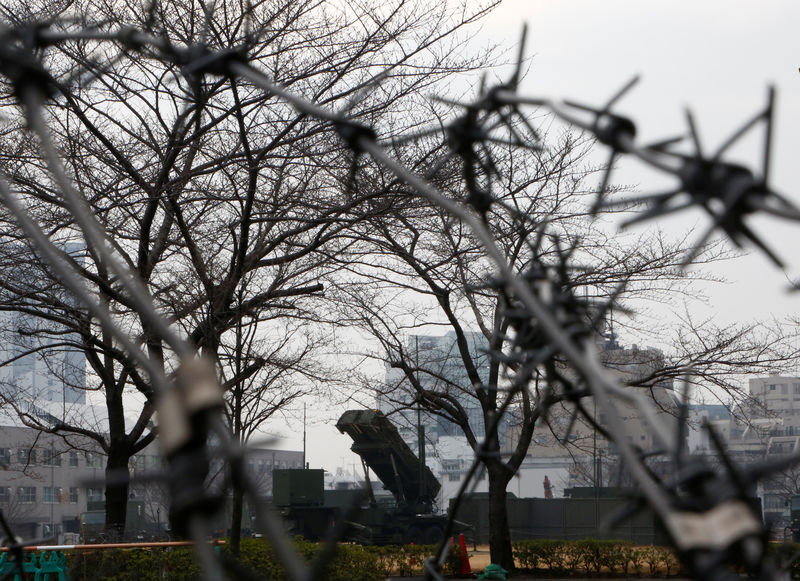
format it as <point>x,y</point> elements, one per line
<point>787,556</point>
<point>452,564</point>
<point>651,555</point>
<point>525,556</point>
<point>551,553</point>
<point>672,565</point>
<point>350,563</point>
<point>594,557</point>
<point>586,555</point>
<point>176,564</point>
<point>630,558</point>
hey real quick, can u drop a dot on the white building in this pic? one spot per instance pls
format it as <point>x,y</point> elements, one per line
<point>765,426</point>
<point>47,487</point>
<point>441,371</point>
<point>572,452</point>
<point>40,362</point>
<point>567,453</point>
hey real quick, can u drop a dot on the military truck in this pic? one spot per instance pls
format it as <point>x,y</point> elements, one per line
<point>311,511</point>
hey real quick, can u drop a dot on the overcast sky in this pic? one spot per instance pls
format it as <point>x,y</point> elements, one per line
<point>717,57</point>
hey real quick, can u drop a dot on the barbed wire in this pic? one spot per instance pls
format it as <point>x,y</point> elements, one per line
<point>706,513</point>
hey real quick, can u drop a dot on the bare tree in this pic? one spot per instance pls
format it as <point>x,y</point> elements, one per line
<point>262,374</point>
<point>416,272</point>
<point>224,201</point>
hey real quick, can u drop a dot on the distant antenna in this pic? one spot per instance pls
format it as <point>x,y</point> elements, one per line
<point>612,336</point>
<point>611,321</point>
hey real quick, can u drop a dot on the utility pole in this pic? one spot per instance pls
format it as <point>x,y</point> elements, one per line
<point>52,488</point>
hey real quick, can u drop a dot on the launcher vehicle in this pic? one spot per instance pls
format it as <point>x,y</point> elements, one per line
<point>312,512</point>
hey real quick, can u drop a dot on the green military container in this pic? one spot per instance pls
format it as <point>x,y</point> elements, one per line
<point>298,487</point>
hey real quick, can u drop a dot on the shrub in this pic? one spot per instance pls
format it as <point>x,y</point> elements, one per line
<point>586,555</point>
<point>630,558</point>
<point>787,556</point>
<point>652,557</point>
<point>670,561</point>
<point>551,553</point>
<point>452,564</point>
<point>351,563</point>
<point>133,564</point>
<point>594,557</point>
<point>525,556</point>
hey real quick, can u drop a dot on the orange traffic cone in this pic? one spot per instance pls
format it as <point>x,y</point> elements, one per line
<point>463,565</point>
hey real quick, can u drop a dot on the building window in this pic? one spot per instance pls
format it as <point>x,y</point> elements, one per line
<point>73,495</point>
<point>94,460</point>
<point>5,494</point>
<point>26,456</point>
<point>94,494</point>
<point>5,456</point>
<point>73,459</point>
<point>774,501</point>
<point>51,457</point>
<point>772,387</point>
<point>51,495</point>
<point>26,494</point>
<point>453,477</point>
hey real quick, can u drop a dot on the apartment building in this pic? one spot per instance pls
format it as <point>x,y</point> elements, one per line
<point>49,486</point>
<point>765,425</point>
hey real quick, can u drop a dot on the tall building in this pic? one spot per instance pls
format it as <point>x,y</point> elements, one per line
<point>572,452</point>
<point>43,364</point>
<point>567,453</point>
<point>441,371</point>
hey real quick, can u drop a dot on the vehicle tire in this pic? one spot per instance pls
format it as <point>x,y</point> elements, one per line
<point>433,535</point>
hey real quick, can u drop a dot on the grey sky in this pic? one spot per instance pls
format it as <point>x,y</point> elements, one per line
<point>716,57</point>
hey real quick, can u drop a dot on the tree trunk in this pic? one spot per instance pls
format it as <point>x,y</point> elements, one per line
<point>116,495</point>
<point>499,532</point>
<point>236,518</point>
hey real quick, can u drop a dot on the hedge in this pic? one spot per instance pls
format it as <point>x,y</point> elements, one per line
<point>591,557</point>
<point>594,557</point>
<point>351,562</point>
<point>588,557</point>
